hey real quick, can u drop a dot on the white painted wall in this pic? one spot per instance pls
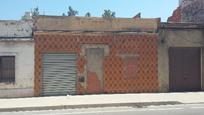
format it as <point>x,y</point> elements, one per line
<point>16,40</point>
<point>24,68</point>
<point>12,28</point>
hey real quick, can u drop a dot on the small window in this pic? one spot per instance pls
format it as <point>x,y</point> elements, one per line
<point>7,69</point>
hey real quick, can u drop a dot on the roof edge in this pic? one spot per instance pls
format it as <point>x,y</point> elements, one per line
<point>74,23</point>
<point>167,25</point>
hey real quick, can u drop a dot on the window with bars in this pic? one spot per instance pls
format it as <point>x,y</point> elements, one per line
<point>7,69</point>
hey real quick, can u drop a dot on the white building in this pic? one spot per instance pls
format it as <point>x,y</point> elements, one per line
<point>16,59</point>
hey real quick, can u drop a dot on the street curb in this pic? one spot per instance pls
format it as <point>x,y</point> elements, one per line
<point>136,105</point>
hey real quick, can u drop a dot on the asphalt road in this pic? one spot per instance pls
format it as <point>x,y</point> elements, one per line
<point>190,109</point>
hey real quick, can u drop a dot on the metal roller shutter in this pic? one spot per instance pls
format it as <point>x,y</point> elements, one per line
<point>59,74</point>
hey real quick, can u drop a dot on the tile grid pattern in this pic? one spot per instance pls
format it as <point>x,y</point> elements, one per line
<point>142,79</point>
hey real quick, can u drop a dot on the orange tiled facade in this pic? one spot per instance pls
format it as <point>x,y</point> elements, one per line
<point>122,72</point>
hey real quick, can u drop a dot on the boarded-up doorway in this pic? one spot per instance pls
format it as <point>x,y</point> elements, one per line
<point>185,69</point>
<point>95,57</point>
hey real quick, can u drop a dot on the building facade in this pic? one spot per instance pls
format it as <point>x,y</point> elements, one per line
<point>180,57</point>
<point>180,49</point>
<point>16,59</point>
<point>75,55</point>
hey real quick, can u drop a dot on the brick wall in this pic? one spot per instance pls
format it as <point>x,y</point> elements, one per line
<point>131,65</point>
<point>189,11</point>
<point>176,16</point>
<point>193,11</point>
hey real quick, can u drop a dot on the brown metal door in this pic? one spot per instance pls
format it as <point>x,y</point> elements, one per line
<point>184,68</point>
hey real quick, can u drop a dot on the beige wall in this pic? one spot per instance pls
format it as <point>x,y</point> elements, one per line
<point>65,23</point>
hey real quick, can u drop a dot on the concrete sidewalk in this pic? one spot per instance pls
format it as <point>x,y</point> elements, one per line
<point>62,102</point>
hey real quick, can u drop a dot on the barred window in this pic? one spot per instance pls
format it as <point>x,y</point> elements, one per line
<point>7,69</point>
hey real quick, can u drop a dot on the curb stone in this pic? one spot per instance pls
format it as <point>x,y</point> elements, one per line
<point>135,105</point>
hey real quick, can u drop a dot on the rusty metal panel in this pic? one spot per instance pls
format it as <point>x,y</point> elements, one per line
<point>185,70</point>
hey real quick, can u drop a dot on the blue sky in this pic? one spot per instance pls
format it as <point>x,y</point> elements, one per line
<point>14,9</point>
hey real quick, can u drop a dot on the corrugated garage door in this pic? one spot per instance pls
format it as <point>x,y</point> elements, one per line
<point>59,74</point>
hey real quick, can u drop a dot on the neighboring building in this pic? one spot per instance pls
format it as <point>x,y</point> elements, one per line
<point>185,3</point>
<point>180,49</point>
<point>189,11</point>
<point>16,59</point>
<point>180,57</point>
<point>176,16</point>
<point>76,55</point>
